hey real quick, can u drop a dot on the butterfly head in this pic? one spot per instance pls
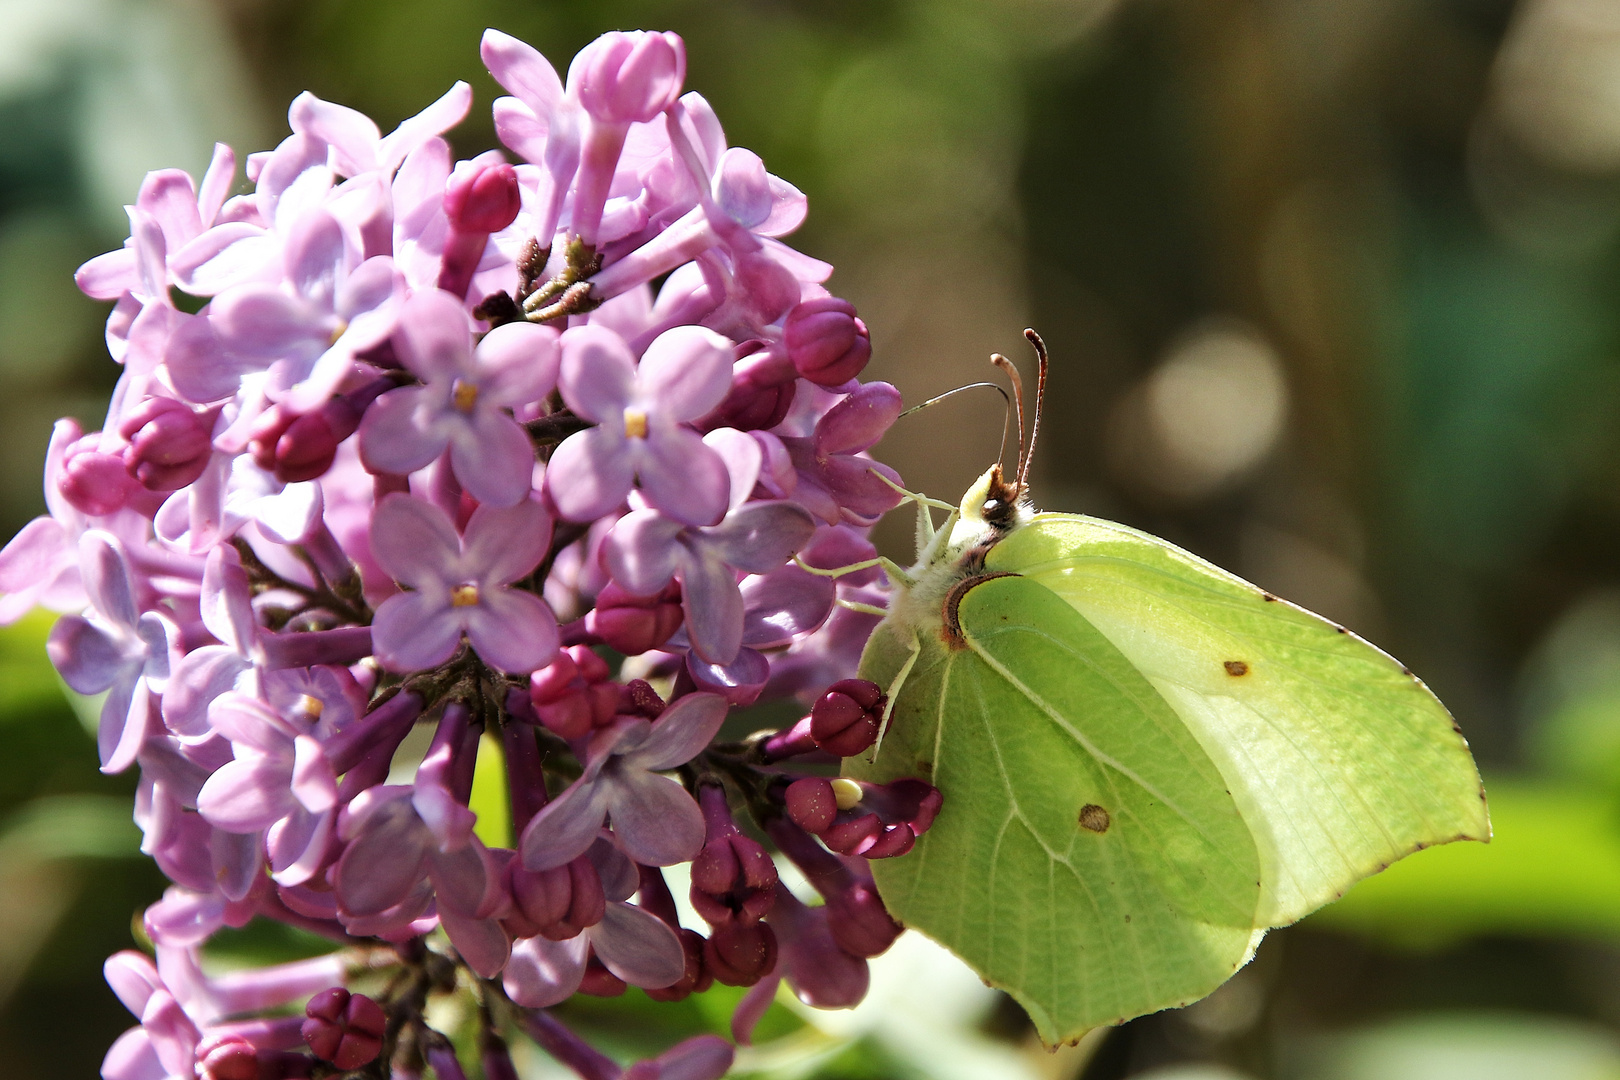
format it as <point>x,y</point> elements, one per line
<point>993,507</point>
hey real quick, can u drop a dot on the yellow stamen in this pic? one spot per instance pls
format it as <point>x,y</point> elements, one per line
<point>337,331</point>
<point>464,595</point>
<point>464,395</point>
<point>635,423</point>
<point>310,706</point>
<point>846,793</point>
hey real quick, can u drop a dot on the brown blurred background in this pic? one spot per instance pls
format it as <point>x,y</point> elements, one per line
<point>1331,290</point>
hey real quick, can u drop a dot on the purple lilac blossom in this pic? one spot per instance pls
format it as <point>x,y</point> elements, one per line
<point>434,451</point>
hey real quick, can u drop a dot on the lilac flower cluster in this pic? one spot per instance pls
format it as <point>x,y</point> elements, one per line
<point>533,456</point>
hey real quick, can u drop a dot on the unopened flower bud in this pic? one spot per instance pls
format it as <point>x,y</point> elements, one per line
<point>230,1058</point>
<point>733,879</point>
<point>741,953</point>
<point>696,977</point>
<point>556,903</point>
<point>169,444</point>
<point>811,804</point>
<point>302,447</point>
<point>483,199</point>
<point>574,693</point>
<point>600,982</point>
<point>845,720</point>
<point>859,922</point>
<point>629,77</point>
<point>828,343</point>
<point>343,1028</point>
<point>95,483</point>
<point>763,386</point>
<point>632,624</point>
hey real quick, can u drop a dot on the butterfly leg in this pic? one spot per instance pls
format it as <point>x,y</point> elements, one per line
<point>927,534</point>
<point>895,571</point>
<point>893,692</point>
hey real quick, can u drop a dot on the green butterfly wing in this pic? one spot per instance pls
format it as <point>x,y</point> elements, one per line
<point>1146,762</point>
<point>1340,759</point>
<point>1089,859</point>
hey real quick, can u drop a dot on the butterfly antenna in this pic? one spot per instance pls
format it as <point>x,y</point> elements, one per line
<point>952,393</point>
<point>1018,401</point>
<point>1028,453</point>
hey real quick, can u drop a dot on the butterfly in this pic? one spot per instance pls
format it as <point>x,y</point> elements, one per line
<point>1146,761</point>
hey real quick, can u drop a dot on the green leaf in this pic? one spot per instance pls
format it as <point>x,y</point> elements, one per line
<point>489,795</point>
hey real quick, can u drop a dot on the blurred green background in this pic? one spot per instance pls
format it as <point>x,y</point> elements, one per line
<point>1331,287</point>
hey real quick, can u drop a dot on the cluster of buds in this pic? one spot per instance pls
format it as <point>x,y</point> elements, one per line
<point>540,457</point>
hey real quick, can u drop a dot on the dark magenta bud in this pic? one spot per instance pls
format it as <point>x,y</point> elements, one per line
<point>860,923</point>
<point>169,444</point>
<point>811,804</point>
<point>556,903</point>
<point>733,878</point>
<point>633,625</point>
<point>741,953</point>
<point>828,343</point>
<point>763,386</point>
<point>94,482</point>
<point>483,199</point>
<point>231,1058</point>
<point>599,981</point>
<point>695,978</point>
<point>574,693</point>
<point>343,1028</point>
<point>301,447</point>
<point>845,720</point>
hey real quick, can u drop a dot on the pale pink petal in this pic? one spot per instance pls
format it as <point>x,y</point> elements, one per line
<point>521,69</point>
<point>638,947</point>
<point>517,364</point>
<point>391,439</point>
<point>542,973</point>
<point>414,542</point>
<point>352,136</point>
<point>686,372</point>
<point>493,457</point>
<point>439,117</point>
<point>411,632</point>
<point>247,794</point>
<point>512,630</point>
<point>227,254</point>
<point>506,544</point>
<point>588,475</point>
<point>597,375</point>
<point>109,276</point>
<point>433,337</point>
<point>683,477</point>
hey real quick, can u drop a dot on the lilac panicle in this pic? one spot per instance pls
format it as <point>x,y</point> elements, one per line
<point>435,450</point>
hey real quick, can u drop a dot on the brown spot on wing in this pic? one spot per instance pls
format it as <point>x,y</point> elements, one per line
<point>1094,818</point>
<point>1236,668</point>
